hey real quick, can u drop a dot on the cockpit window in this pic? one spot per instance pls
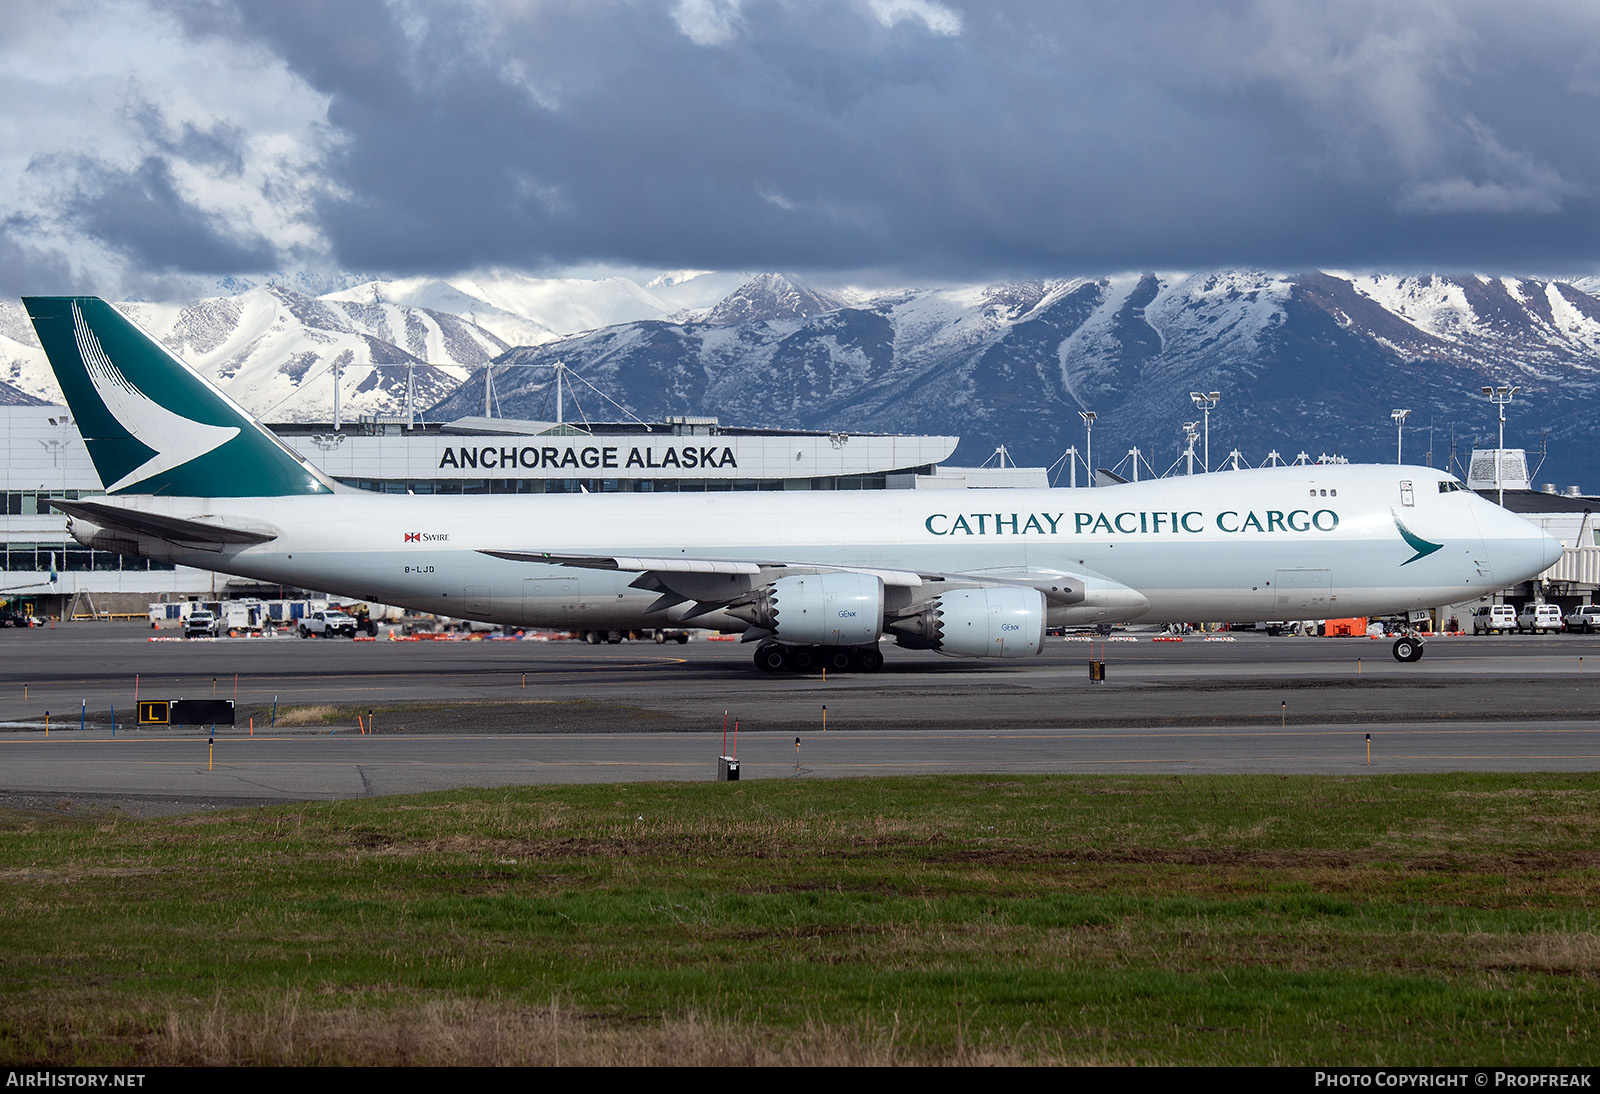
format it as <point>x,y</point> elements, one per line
<point>1449,486</point>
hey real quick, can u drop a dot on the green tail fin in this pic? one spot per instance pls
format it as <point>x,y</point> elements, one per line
<point>152,424</point>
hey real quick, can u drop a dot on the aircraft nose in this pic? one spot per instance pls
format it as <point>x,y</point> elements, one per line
<point>1552,550</point>
<point>1520,548</point>
<point>1534,551</point>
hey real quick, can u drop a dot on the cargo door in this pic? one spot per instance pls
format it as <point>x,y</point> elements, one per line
<point>1301,594</point>
<point>548,601</point>
<point>475,602</point>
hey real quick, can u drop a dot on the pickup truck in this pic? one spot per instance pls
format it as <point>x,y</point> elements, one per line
<point>1583,619</point>
<point>200,624</point>
<point>328,624</point>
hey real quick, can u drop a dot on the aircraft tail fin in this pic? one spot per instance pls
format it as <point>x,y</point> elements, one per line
<point>152,424</point>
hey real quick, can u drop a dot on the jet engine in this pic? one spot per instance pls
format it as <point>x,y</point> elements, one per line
<point>830,609</point>
<point>1001,621</point>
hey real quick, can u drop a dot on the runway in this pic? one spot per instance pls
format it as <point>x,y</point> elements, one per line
<point>491,713</point>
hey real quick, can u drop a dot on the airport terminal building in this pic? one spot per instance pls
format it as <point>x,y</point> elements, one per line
<point>504,456</point>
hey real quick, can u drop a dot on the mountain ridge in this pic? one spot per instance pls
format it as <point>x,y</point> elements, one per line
<point>1312,361</point>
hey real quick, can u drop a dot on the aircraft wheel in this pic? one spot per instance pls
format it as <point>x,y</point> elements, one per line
<point>802,659</point>
<point>871,660</point>
<point>771,657</point>
<point>838,659</point>
<point>660,638</point>
<point>592,637</point>
<point>1407,650</point>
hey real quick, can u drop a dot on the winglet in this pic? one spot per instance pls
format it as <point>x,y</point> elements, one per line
<point>151,423</point>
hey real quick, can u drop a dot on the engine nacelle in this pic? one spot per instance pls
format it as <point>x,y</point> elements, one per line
<point>834,609</point>
<point>1003,621</point>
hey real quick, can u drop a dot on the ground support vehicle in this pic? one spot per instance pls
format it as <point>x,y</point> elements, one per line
<point>1584,619</point>
<point>1493,619</point>
<point>200,624</point>
<point>328,624</point>
<point>1535,618</point>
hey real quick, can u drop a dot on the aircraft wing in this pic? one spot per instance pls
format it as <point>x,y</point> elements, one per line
<point>684,565</point>
<point>715,583</point>
<point>189,532</point>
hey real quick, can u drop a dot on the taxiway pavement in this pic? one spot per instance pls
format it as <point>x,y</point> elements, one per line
<point>496,713</point>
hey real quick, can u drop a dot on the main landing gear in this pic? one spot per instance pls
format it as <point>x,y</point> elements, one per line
<point>1408,649</point>
<point>776,657</point>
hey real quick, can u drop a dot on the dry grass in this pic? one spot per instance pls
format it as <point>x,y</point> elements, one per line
<point>311,716</point>
<point>479,1033</point>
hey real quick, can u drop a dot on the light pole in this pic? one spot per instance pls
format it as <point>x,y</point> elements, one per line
<point>1192,432</point>
<point>1088,417</point>
<point>1500,396</point>
<point>1207,402</point>
<point>1399,417</point>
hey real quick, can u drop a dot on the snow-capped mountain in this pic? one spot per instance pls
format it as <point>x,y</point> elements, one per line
<point>273,351</point>
<point>771,296</point>
<point>530,311</point>
<point>1310,362</point>
<point>436,295</point>
<point>25,377</point>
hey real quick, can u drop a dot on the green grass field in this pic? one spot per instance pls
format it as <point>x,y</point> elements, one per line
<point>1212,920</point>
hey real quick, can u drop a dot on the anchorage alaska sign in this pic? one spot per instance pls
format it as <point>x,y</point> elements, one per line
<point>767,455</point>
<point>593,457</point>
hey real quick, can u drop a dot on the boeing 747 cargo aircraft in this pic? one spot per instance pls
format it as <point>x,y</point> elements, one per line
<point>812,577</point>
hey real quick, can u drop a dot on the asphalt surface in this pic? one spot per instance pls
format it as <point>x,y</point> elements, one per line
<point>496,713</point>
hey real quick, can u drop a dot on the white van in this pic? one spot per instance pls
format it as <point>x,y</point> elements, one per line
<point>1538,618</point>
<point>1493,618</point>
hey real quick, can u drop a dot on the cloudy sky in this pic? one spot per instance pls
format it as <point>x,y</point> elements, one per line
<point>144,142</point>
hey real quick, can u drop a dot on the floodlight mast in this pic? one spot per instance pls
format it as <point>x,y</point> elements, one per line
<point>1207,402</point>
<point>1088,417</point>
<point>1399,417</point>
<point>1500,395</point>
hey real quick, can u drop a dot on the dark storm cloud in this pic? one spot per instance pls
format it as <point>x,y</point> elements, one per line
<point>219,147</point>
<point>971,139</point>
<point>142,214</point>
<point>26,269</point>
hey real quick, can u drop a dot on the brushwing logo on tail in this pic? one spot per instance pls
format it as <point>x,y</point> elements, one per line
<point>175,439</point>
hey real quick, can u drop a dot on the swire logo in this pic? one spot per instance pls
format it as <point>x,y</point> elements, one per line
<point>413,537</point>
<point>426,537</point>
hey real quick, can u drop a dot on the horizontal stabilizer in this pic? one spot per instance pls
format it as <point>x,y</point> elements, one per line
<point>179,529</point>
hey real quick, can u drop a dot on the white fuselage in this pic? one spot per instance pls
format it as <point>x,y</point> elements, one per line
<point>1278,543</point>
